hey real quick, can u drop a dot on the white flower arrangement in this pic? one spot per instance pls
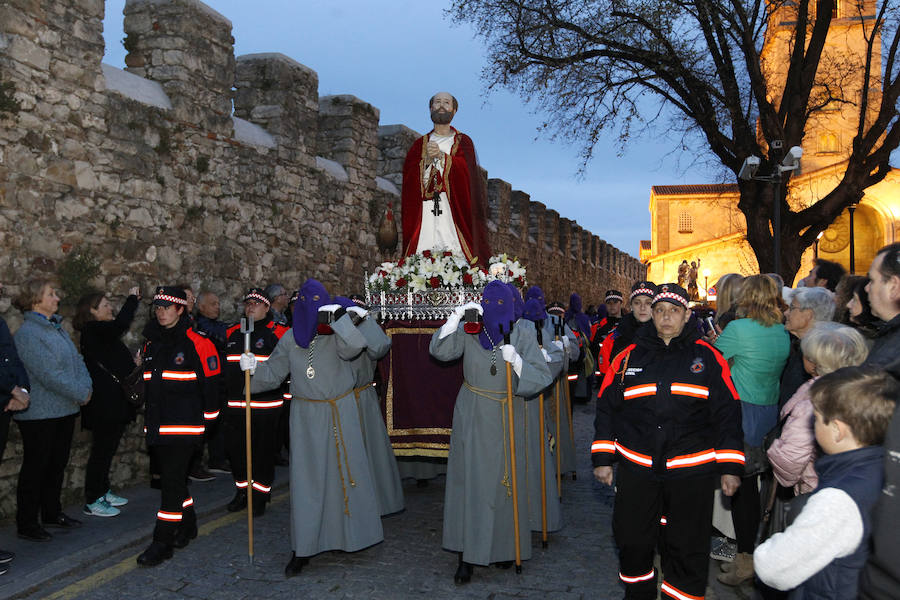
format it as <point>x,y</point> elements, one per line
<point>442,269</point>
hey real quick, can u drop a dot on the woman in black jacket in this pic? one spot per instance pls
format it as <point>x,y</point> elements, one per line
<point>108,360</point>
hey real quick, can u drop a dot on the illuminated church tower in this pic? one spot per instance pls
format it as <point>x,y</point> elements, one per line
<point>702,221</point>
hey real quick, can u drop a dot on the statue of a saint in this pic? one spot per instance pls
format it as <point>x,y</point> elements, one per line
<point>443,203</point>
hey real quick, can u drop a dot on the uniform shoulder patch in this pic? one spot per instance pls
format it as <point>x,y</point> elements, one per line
<point>697,366</point>
<point>212,362</point>
<point>179,358</point>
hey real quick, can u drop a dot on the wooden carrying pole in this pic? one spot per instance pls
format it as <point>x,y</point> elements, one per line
<point>247,329</point>
<point>512,454</point>
<point>558,444</point>
<point>543,437</point>
<point>569,415</point>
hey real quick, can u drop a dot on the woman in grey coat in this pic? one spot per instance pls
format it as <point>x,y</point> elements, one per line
<point>478,508</point>
<point>333,502</point>
<point>60,386</point>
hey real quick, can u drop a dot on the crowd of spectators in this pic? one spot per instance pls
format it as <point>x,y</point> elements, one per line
<point>814,368</point>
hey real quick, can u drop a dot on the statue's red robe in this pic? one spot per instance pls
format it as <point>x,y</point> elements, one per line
<point>462,181</point>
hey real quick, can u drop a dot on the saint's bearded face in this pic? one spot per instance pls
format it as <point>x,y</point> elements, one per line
<point>440,116</point>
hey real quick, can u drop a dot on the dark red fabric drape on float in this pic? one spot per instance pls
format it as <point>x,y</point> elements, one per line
<point>417,393</point>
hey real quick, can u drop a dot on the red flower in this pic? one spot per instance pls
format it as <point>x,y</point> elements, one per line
<point>521,280</point>
<point>467,279</point>
<point>435,282</point>
<point>426,253</point>
<point>447,253</point>
<point>401,283</point>
<point>402,262</point>
<point>382,273</point>
<point>509,273</point>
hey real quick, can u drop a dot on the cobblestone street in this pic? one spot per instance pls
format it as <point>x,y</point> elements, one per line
<point>579,563</point>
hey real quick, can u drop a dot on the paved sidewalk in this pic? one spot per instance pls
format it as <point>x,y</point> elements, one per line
<point>97,561</point>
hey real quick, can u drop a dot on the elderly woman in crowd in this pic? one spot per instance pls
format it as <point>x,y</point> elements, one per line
<point>60,386</point>
<point>757,346</point>
<point>109,362</point>
<point>808,306</point>
<point>826,348</point>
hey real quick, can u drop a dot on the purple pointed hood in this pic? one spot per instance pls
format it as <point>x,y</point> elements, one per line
<point>575,313</point>
<point>518,303</point>
<point>534,310</point>
<point>306,318</point>
<point>499,310</point>
<point>537,293</point>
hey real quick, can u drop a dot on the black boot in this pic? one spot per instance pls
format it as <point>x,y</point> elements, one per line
<point>239,502</point>
<point>463,572</point>
<point>184,535</point>
<point>259,507</point>
<point>155,554</point>
<point>295,565</point>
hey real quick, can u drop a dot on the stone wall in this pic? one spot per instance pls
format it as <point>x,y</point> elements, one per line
<point>152,171</point>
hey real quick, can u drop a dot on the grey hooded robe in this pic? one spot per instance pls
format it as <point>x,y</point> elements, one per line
<point>478,506</point>
<point>333,500</point>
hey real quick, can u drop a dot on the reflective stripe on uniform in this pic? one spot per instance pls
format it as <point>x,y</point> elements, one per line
<point>237,357</point>
<point>638,391</point>
<point>255,403</point>
<point>573,378</point>
<point>603,446</point>
<point>168,516</point>
<point>187,503</point>
<point>179,375</point>
<point>732,456</point>
<point>673,592</point>
<point>691,460</point>
<point>148,375</point>
<point>181,429</point>
<point>261,488</point>
<point>209,416</point>
<point>639,578</point>
<point>687,389</point>
<point>635,457</point>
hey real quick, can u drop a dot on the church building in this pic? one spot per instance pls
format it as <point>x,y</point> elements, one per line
<point>702,222</point>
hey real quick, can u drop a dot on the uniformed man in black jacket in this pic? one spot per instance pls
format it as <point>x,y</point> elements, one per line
<point>669,414</point>
<point>265,407</point>
<point>181,371</point>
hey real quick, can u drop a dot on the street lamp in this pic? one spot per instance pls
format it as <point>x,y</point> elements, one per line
<point>748,171</point>
<point>706,284</point>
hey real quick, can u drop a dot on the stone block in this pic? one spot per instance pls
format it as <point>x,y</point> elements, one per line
<point>27,52</point>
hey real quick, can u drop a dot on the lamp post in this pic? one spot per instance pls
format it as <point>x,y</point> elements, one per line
<point>748,172</point>
<point>706,284</point>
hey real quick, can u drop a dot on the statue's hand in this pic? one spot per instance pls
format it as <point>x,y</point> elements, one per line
<point>432,150</point>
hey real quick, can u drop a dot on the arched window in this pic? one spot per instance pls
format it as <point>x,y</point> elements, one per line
<point>828,143</point>
<point>685,223</point>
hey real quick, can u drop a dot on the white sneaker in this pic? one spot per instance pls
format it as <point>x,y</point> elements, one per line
<point>100,508</point>
<point>115,500</point>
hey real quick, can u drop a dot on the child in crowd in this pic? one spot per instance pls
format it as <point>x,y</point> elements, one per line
<point>821,554</point>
